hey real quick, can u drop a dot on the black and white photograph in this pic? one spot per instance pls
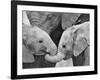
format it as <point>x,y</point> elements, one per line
<point>53,40</point>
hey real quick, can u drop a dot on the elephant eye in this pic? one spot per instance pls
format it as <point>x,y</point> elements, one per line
<point>40,41</point>
<point>64,46</point>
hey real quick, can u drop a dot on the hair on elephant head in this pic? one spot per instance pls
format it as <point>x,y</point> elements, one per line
<point>73,41</point>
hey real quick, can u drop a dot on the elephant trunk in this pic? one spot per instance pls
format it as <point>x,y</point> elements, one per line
<point>56,58</point>
<point>52,52</point>
<point>51,47</point>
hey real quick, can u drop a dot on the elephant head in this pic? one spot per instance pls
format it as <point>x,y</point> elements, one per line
<point>73,41</point>
<point>37,40</point>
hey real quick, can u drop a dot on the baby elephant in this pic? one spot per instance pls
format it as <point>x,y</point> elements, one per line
<point>37,41</point>
<point>74,41</point>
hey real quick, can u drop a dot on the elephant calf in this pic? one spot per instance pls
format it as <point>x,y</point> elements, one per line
<point>73,42</point>
<point>38,41</point>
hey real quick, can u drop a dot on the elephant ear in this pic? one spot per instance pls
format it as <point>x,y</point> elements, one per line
<point>80,42</point>
<point>25,29</point>
<point>27,56</point>
<point>68,19</point>
<point>25,24</point>
<point>25,19</point>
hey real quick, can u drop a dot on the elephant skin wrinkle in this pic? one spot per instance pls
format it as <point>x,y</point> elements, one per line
<point>47,21</point>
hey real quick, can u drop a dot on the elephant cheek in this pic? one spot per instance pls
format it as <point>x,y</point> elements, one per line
<point>41,50</point>
<point>37,47</point>
<point>68,55</point>
<point>62,50</point>
<point>66,51</point>
<point>31,47</point>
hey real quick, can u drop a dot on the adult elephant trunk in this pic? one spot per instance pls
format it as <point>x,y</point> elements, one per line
<point>56,58</point>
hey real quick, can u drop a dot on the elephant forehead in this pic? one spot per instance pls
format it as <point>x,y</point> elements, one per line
<point>36,32</point>
<point>66,35</point>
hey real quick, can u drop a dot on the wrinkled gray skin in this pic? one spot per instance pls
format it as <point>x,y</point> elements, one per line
<point>38,41</point>
<point>48,21</point>
<point>73,41</point>
<point>35,41</point>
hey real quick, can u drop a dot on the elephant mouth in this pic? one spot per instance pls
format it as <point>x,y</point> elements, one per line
<point>31,48</point>
<point>42,52</point>
<point>69,54</point>
<point>45,52</point>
